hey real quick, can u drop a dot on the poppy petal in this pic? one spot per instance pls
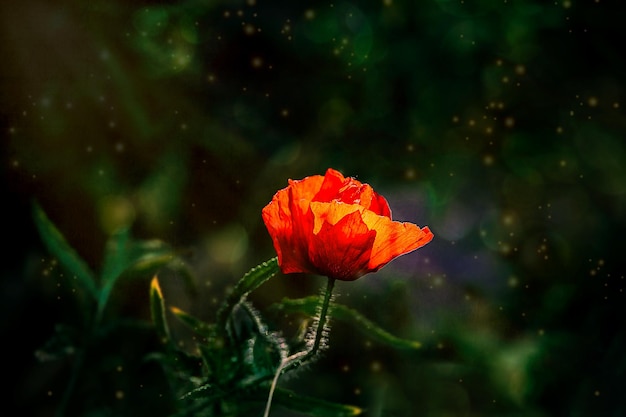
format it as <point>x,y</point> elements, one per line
<point>342,250</point>
<point>328,191</point>
<point>393,238</point>
<point>288,222</point>
<point>373,201</point>
<point>350,191</point>
<point>330,213</point>
<point>306,188</point>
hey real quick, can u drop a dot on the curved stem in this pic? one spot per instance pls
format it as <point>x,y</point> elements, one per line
<point>297,358</point>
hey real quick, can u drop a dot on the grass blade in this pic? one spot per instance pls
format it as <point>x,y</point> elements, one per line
<point>69,259</point>
<point>157,308</point>
<point>313,406</point>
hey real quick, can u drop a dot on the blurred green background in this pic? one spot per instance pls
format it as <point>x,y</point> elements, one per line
<point>500,125</point>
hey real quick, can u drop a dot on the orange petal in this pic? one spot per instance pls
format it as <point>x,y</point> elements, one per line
<point>278,211</point>
<point>351,191</point>
<point>342,250</point>
<point>330,213</point>
<point>373,201</point>
<point>306,188</point>
<point>393,238</point>
<point>288,223</point>
<point>333,181</point>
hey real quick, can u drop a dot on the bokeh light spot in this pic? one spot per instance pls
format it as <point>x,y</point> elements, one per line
<point>228,245</point>
<point>116,212</point>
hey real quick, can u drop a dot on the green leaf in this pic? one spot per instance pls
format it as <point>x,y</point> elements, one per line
<point>116,260</point>
<point>126,258</point>
<point>203,396</point>
<point>219,364</point>
<point>200,327</point>
<point>151,263</point>
<point>219,360</point>
<point>248,283</point>
<point>308,306</point>
<point>265,350</point>
<point>157,308</point>
<point>65,254</point>
<point>247,401</point>
<point>313,406</point>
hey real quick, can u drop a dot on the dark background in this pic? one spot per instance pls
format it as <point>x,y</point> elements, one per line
<point>500,125</point>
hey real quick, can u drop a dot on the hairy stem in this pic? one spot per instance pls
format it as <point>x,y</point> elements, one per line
<point>297,358</point>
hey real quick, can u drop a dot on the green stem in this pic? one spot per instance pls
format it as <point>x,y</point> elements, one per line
<point>297,359</point>
<point>323,318</point>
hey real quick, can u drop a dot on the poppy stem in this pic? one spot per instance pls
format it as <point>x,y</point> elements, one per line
<point>321,324</point>
<point>298,358</point>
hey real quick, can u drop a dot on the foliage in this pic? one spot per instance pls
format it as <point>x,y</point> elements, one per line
<point>229,369</point>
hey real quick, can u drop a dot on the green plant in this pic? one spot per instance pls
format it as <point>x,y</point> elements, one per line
<point>235,362</point>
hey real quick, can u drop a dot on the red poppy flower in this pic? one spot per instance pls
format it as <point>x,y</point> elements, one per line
<point>337,227</point>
